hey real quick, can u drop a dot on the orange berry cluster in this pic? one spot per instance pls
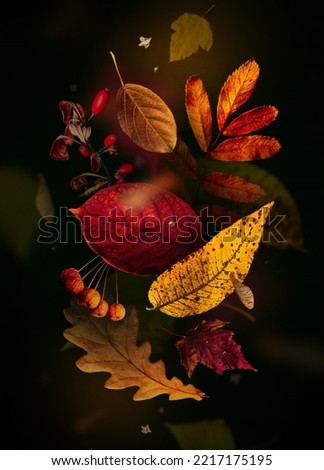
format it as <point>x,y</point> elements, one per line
<point>90,298</point>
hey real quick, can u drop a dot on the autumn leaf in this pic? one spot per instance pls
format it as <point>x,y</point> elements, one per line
<point>202,280</point>
<point>251,121</point>
<point>198,111</point>
<point>231,187</point>
<point>112,347</point>
<point>191,31</point>
<point>246,148</point>
<point>139,228</point>
<point>244,293</point>
<point>236,91</point>
<point>207,344</point>
<point>183,161</point>
<point>286,225</point>
<point>145,117</point>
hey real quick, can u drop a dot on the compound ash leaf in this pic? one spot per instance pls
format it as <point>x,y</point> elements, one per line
<point>139,228</point>
<point>183,161</point>
<point>146,118</point>
<point>112,347</point>
<point>214,348</point>
<point>203,279</point>
<point>236,91</point>
<point>198,111</point>
<point>191,31</point>
<point>246,148</point>
<point>251,121</point>
<point>231,187</point>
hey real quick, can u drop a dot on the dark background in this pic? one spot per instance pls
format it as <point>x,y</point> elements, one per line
<point>48,403</point>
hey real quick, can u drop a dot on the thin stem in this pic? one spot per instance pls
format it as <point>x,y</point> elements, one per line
<point>105,283</point>
<point>92,259</point>
<point>171,332</point>
<point>206,12</point>
<point>116,288</point>
<point>239,310</point>
<point>91,270</point>
<point>103,269</point>
<point>116,67</point>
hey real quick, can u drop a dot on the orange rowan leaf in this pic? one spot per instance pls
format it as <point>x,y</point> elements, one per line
<point>251,121</point>
<point>198,111</point>
<point>112,347</point>
<point>183,161</point>
<point>231,187</point>
<point>246,148</point>
<point>237,89</point>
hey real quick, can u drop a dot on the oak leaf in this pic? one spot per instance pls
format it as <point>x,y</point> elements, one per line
<point>214,348</point>
<point>231,187</point>
<point>139,228</point>
<point>191,31</point>
<point>198,111</point>
<point>246,148</point>
<point>146,118</point>
<point>251,121</point>
<point>111,347</point>
<point>236,91</point>
<point>202,280</point>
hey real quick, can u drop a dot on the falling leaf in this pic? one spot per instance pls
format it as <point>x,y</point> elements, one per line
<point>207,344</point>
<point>144,42</point>
<point>145,429</point>
<point>183,161</point>
<point>251,121</point>
<point>231,187</point>
<point>244,293</point>
<point>43,200</point>
<point>139,228</point>
<point>198,111</point>
<point>207,434</point>
<point>246,148</point>
<point>236,91</point>
<point>191,31</point>
<point>146,118</point>
<point>202,280</point>
<point>112,347</point>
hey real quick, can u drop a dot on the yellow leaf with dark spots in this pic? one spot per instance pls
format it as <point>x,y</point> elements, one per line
<point>203,279</point>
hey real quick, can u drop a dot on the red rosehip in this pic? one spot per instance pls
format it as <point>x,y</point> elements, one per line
<point>88,298</point>
<point>101,310</point>
<point>125,169</point>
<point>110,139</point>
<point>69,273</point>
<point>100,100</point>
<point>74,285</point>
<point>85,150</point>
<point>116,312</point>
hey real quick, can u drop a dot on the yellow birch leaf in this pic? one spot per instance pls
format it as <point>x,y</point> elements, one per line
<point>236,91</point>
<point>198,111</point>
<point>146,118</point>
<point>112,347</point>
<point>203,279</point>
<point>191,31</point>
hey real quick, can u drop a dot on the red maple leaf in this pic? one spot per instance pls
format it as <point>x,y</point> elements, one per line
<point>212,347</point>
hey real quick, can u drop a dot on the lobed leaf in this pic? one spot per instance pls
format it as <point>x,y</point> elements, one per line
<point>112,347</point>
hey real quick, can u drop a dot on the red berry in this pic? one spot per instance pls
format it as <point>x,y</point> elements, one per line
<point>110,139</point>
<point>125,169</point>
<point>101,310</point>
<point>120,180</point>
<point>116,312</point>
<point>100,100</point>
<point>85,150</point>
<point>69,273</point>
